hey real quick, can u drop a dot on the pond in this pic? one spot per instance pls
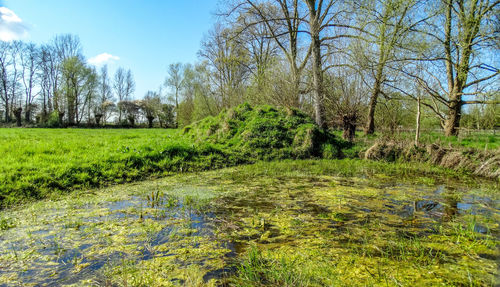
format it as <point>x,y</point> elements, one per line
<point>231,228</point>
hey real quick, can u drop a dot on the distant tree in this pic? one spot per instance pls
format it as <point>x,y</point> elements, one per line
<point>10,75</point>
<point>150,106</point>
<point>18,114</point>
<point>67,46</point>
<point>283,21</point>
<point>120,86</point>
<point>30,62</point>
<point>226,66</point>
<point>103,109</point>
<point>49,78</point>
<point>129,85</point>
<point>166,116</point>
<point>175,81</point>
<point>76,76</point>
<point>63,47</point>
<point>131,109</point>
<point>91,93</point>
<point>5,62</point>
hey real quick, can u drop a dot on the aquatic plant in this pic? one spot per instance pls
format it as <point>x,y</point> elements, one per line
<point>6,223</point>
<point>257,270</point>
<point>155,199</point>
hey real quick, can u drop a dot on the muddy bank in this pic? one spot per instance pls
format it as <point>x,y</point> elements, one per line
<point>481,163</point>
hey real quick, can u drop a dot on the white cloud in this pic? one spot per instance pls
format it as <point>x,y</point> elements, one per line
<point>102,59</point>
<point>11,26</point>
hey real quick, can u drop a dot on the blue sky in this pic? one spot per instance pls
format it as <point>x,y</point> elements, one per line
<point>145,35</point>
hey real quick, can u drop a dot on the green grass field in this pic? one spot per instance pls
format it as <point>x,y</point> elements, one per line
<point>36,162</point>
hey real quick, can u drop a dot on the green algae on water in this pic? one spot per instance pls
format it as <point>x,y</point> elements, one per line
<point>249,226</point>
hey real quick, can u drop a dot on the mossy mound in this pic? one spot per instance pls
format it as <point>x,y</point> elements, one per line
<point>266,133</point>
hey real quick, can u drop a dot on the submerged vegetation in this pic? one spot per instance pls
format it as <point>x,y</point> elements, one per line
<point>294,223</point>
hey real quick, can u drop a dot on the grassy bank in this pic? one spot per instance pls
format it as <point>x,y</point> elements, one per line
<point>37,162</point>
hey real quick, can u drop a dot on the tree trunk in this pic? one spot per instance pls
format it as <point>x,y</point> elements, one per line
<point>296,87</point>
<point>131,120</point>
<point>317,67</point>
<point>176,107</point>
<point>50,104</point>
<point>17,113</point>
<point>417,129</point>
<point>454,114</point>
<point>44,109</point>
<point>370,121</point>
<point>71,111</point>
<point>150,121</point>
<point>7,117</point>
<point>27,114</point>
<point>61,116</point>
<point>349,127</point>
<point>98,119</point>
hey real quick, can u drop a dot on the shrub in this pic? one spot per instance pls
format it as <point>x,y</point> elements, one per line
<point>53,120</point>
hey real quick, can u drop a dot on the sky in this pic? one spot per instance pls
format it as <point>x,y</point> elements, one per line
<point>144,36</point>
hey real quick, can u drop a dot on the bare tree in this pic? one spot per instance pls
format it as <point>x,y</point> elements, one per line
<point>120,86</point>
<point>30,65</point>
<point>105,96</point>
<point>320,20</point>
<point>91,92</point>
<point>76,77</point>
<point>464,37</point>
<point>227,64</point>
<point>175,81</point>
<point>5,62</point>
<point>67,46</point>
<point>385,30</point>
<point>64,47</point>
<point>49,77</point>
<point>9,78</point>
<point>129,85</point>
<point>283,20</point>
<point>345,94</point>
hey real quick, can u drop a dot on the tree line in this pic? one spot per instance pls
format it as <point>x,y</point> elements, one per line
<point>350,64</point>
<point>52,85</point>
<point>367,64</point>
